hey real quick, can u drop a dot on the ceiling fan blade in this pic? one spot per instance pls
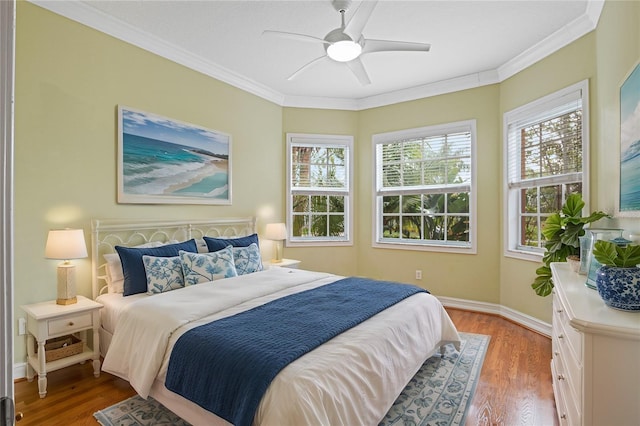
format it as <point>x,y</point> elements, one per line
<point>357,68</point>
<point>393,46</point>
<point>295,36</point>
<point>359,19</point>
<point>305,66</point>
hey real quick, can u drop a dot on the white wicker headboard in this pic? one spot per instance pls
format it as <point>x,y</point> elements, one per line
<point>108,233</point>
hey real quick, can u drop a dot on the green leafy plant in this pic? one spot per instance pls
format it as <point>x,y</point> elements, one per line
<point>561,231</point>
<point>610,254</point>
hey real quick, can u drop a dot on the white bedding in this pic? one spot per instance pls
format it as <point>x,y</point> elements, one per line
<point>352,379</point>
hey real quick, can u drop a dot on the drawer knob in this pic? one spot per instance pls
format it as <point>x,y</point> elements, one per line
<point>563,416</point>
<point>559,311</point>
<point>560,336</point>
<point>71,324</point>
<point>560,376</point>
<point>556,353</point>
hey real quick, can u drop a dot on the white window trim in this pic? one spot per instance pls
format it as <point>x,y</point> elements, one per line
<point>321,139</point>
<point>510,224</point>
<point>440,129</point>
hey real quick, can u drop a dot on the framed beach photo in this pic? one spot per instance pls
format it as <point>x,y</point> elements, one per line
<point>165,161</point>
<point>629,200</point>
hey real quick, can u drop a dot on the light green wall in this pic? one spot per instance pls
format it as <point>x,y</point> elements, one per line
<point>337,260</point>
<point>69,81</point>
<point>474,277</point>
<point>604,57</point>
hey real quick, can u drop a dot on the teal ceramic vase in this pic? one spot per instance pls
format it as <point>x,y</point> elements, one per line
<point>619,287</point>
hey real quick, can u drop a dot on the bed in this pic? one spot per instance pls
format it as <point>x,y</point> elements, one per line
<point>353,378</point>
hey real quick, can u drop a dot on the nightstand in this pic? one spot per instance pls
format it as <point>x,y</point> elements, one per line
<point>48,320</point>
<point>286,263</point>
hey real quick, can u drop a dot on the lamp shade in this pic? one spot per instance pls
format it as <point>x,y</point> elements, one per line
<point>276,231</point>
<point>65,244</point>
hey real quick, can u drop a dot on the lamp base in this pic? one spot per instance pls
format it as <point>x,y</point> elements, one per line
<point>66,284</point>
<point>276,260</point>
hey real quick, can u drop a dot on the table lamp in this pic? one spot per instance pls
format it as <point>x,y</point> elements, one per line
<point>278,233</point>
<point>66,244</point>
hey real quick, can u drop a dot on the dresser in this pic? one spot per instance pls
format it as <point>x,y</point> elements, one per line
<point>595,355</point>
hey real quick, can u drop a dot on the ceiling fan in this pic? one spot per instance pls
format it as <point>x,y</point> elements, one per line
<point>347,45</point>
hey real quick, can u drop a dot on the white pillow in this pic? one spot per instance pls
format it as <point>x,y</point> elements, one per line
<point>204,267</point>
<point>115,276</point>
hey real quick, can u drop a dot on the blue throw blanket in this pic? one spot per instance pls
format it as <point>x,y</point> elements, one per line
<point>226,366</point>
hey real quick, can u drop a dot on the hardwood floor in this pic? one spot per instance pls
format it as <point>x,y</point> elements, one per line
<point>514,388</point>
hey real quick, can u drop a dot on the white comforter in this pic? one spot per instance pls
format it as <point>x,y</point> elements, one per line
<point>352,379</point>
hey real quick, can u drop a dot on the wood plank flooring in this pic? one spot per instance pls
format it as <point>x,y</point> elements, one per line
<point>514,388</point>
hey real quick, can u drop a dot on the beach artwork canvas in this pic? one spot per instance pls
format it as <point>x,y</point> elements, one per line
<point>630,145</point>
<point>165,161</point>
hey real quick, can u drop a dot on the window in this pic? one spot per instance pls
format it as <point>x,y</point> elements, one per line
<point>319,176</point>
<point>546,146</point>
<point>424,188</point>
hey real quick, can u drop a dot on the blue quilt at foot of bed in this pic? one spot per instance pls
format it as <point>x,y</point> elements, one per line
<point>226,366</point>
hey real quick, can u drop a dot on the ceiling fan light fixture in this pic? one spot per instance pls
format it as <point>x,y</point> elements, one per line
<point>344,50</point>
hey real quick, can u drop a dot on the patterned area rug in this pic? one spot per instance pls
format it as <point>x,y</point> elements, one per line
<point>439,394</point>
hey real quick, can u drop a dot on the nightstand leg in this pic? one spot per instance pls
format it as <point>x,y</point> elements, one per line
<point>30,353</point>
<point>96,352</point>
<point>42,370</point>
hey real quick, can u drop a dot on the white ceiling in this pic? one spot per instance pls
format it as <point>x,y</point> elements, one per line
<point>473,43</point>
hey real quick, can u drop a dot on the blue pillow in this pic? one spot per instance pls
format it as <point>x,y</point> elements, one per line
<point>135,277</point>
<point>215,244</point>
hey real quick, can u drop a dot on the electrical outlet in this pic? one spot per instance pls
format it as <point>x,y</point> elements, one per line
<point>418,274</point>
<point>22,326</point>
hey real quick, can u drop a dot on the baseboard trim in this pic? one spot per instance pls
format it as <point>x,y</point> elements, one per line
<point>20,370</point>
<point>519,318</point>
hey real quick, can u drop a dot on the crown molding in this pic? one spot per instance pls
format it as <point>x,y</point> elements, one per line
<point>102,22</point>
<point>554,42</point>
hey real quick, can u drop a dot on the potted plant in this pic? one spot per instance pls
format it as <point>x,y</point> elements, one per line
<point>561,232</point>
<point>618,279</point>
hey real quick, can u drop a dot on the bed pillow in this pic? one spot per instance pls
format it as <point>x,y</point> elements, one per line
<point>115,276</point>
<point>247,259</point>
<point>204,267</point>
<point>163,273</point>
<point>135,277</point>
<point>215,244</point>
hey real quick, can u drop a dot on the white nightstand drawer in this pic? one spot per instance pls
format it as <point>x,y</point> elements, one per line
<point>69,324</point>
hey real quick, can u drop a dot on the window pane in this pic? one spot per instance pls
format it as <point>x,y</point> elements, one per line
<point>300,226</point>
<point>529,231</point>
<point>458,202</point>
<point>335,156</point>
<point>336,204</point>
<point>458,228</point>
<point>411,150</point>
<point>336,226</point>
<point>529,200</point>
<point>391,226</point>
<point>434,228</point>
<point>318,203</point>
<point>550,199</point>
<point>319,225</point>
<point>300,203</point>
<point>300,175</point>
<point>411,227</point>
<point>391,152</point>
<point>411,204</point>
<point>391,204</point>
<point>434,203</point>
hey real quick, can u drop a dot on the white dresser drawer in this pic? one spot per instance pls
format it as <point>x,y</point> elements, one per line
<point>566,402</point>
<point>568,333</point>
<point>70,324</point>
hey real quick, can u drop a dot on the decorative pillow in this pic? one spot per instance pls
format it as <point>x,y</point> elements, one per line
<point>247,259</point>
<point>215,244</point>
<point>115,276</point>
<point>135,277</point>
<point>204,267</point>
<point>163,273</point>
